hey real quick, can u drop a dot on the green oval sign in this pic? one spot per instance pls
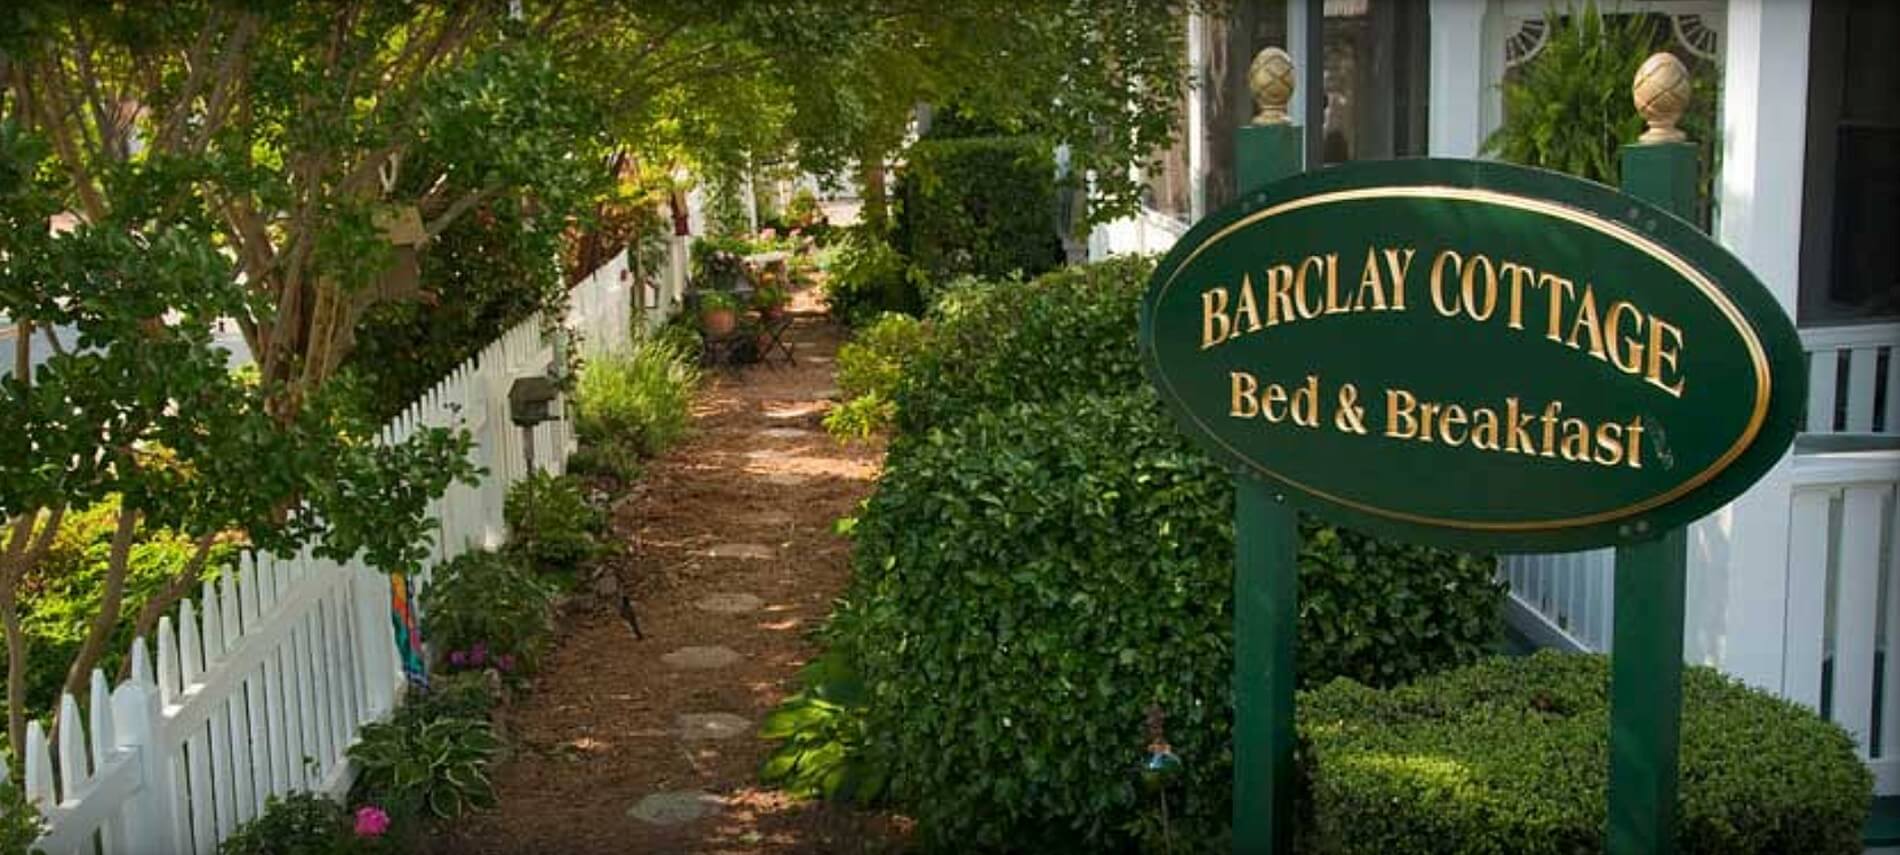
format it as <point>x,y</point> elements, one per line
<point>1474,354</point>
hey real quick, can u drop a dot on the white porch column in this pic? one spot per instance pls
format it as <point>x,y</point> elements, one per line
<point>1456,124</point>
<point>1738,556</point>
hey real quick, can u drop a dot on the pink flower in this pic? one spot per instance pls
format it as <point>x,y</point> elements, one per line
<point>768,233</point>
<point>478,654</point>
<point>458,658</point>
<point>371,821</point>
<point>506,662</point>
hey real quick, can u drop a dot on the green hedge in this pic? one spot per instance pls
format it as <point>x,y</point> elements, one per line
<point>1031,579</point>
<point>1071,332</point>
<point>1511,756</point>
<point>978,205</point>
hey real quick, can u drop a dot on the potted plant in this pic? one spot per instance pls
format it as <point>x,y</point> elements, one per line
<point>771,301</point>
<point>718,313</point>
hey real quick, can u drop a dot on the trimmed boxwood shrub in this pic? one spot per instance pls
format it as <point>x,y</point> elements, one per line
<point>979,205</point>
<point>1030,580</point>
<point>1066,333</point>
<point>1512,756</point>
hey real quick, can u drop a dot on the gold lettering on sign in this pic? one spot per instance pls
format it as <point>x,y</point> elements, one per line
<point>1465,286</point>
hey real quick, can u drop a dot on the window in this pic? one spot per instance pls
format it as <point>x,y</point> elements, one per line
<point>1850,241</point>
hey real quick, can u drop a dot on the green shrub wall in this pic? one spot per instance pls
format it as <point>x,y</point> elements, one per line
<point>1512,756</point>
<point>978,205</point>
<point>1032,578</point>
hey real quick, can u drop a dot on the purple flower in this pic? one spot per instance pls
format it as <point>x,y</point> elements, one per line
<point>458,658</point>
<point>371,821</point>
<point>506,662</point>
<point>478,654</point>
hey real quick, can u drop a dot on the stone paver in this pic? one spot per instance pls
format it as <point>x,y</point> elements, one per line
<point>718,725</point>
<point>730,604</point>
<point>786,433</point>
<point>702,658</point>
<point>786,479</point>
<point>770,518</point>
<point>748,551</point>
<point>675,807</point>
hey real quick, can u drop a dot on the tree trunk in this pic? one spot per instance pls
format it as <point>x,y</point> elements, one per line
<point>876,210</point>
<point>110,600</point>
<point>175,589</point>
<point>16,675</point>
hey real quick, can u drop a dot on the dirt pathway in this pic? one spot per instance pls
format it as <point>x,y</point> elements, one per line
<point>630,746</point>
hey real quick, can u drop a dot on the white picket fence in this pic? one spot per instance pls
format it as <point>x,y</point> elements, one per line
<point>259,686</point>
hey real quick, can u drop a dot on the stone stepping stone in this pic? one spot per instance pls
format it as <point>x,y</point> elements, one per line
<point>785,433</point>
<point>717,725</point>
<point>730,604</point>
<point>702,658</point>
<point>786,479</point>
<point>816,359</point>
<point>748,551</point>
<point>830,394</point>
<point>771,518</point>
<point>675,807</point>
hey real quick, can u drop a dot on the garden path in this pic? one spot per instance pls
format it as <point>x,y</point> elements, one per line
<point>651,746</point>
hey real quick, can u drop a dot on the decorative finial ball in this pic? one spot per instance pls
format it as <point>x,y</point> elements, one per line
<point>1271,78</point>
<point>1662,90</point>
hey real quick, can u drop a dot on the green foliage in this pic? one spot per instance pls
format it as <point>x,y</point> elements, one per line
<point>60,595</point>
<point>488,599</point>
<point>869,368</point>
<point>821,731</point>
<point>1511,755</point>
<point>1028,580</point>
<point>861,418</point>
<point>20,822</point>
<point>640,397</point>
<point>458,694</point>
<point>717,262</point>
<point>302,824</point>
<point>617,460</point>
<point>717,301</point>
<point>1568,109</point>
<point>415,765</point>
<point>551,525</point>
<point>983,205</point>
<point>1067,332</point>
<point>868,278</point>
<point>803,211</point>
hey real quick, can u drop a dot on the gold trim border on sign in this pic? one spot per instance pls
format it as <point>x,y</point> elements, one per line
<point>1615,230</point>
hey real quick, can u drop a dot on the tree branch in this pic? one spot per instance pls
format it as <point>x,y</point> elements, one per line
<point>456,209</point>
<point>110,600</point>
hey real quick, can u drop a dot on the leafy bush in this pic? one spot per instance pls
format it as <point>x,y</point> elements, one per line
<point>60,596</point>
<point>1068,332</point>
<point>868,278</point>
<point>979,205</point>
<point>1029,580</point>
<point>1569,108</point>
<point>641,396</point>
<point>435,765</point>
<point>718,263</point>
<point>488,598</point>
<point>869,367</point>
<point>1511,755</point>
<point>462,694</point>
<point>551,525</point>
<point>303,824</point>
<point>860,418</point>
<point>821,729</point>
<point>20,823</point>
<point>617,460</point>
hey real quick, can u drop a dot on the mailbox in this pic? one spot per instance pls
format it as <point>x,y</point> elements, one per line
<point>528,400</point>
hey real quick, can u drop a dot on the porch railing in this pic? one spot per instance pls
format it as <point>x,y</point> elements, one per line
<point>1843,585</point>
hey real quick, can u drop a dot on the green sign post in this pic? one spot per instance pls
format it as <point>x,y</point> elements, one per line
<point>1474,355</point>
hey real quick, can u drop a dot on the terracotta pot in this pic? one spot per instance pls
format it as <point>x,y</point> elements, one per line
<point>718,322</point>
